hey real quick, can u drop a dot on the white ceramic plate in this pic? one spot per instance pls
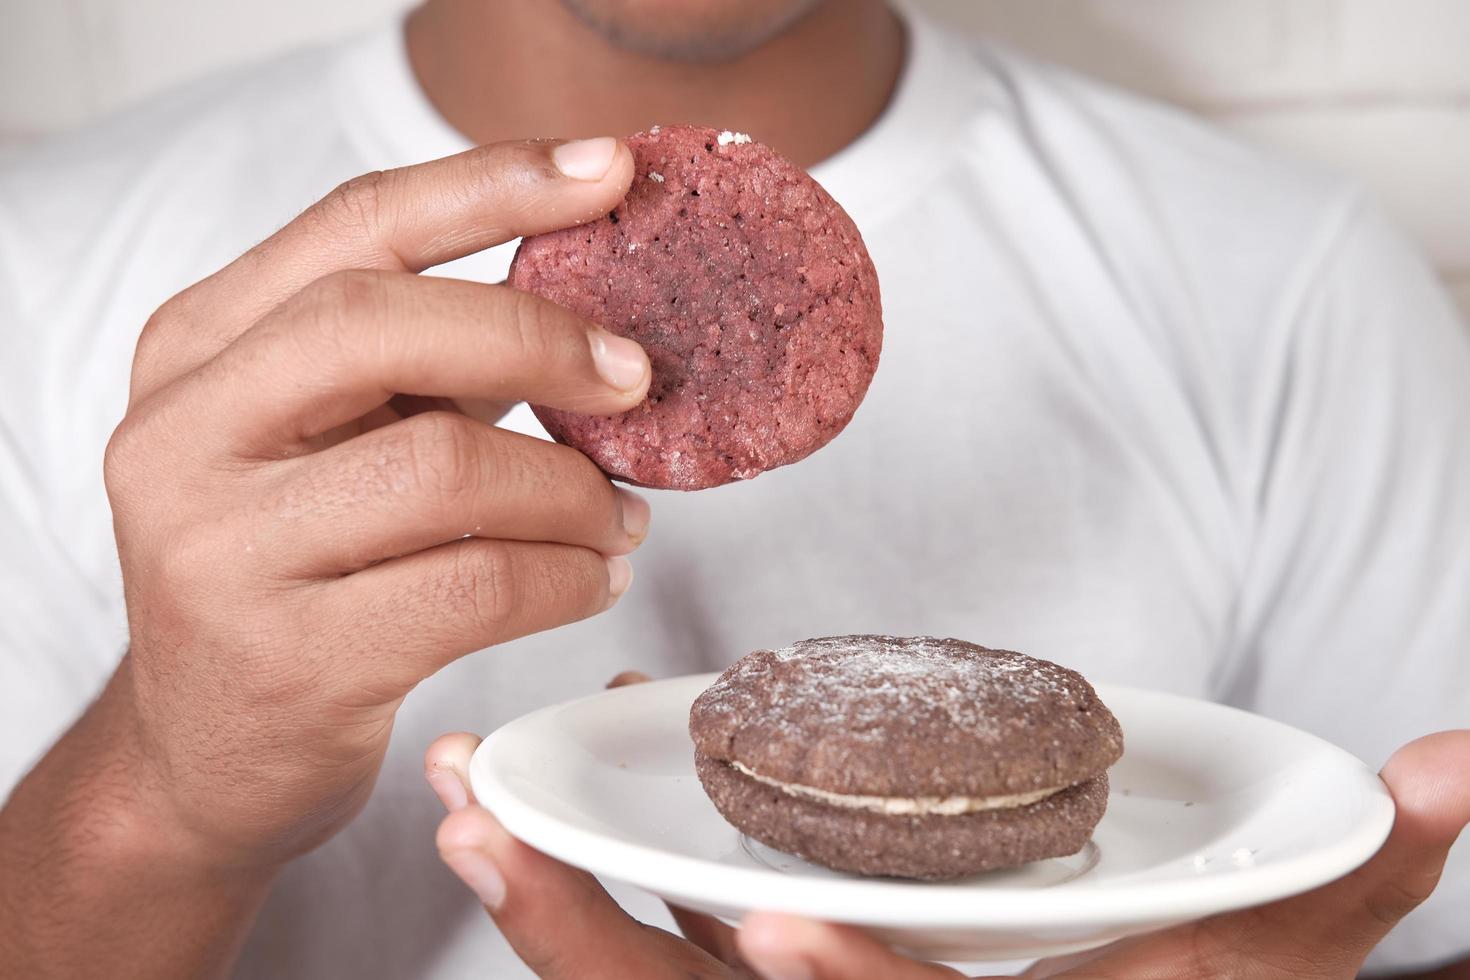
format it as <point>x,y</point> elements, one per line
<point>1212,809</point>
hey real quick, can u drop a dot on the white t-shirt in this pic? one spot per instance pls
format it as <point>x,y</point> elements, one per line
<point>1150,404</point>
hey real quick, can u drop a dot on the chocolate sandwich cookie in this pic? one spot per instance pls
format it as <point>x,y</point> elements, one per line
<point>752,293</point>
<point>910,757</point>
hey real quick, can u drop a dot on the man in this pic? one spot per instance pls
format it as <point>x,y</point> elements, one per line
<point>1149,405</point>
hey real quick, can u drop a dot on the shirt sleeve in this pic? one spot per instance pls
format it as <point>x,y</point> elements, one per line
<point>1354,618</point>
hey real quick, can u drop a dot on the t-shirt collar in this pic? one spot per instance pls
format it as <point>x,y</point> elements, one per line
<point>395,124</point>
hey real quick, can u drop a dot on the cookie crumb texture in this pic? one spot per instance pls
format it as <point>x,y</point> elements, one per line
<point>752,293</point>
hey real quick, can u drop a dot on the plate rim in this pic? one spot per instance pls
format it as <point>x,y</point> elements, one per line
<point>889,903</point>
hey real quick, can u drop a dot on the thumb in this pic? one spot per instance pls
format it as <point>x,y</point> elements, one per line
<point>1329,931</point>
<point>1430,782</point>
<point>557,918</point>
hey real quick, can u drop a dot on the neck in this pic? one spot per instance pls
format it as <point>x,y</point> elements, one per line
<point>512,69</point>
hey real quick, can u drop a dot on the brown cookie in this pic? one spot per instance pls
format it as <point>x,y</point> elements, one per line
<point>917,757</point>
<point>752,293</point>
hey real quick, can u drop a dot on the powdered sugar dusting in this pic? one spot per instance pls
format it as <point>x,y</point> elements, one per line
<point>896,675</point>
<point>862,682</point>
<point>727,137</point>
<point>894,716</point>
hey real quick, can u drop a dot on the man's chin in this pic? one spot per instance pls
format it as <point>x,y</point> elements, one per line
<point>679,30</point>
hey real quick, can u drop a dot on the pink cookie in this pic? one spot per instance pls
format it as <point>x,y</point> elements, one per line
<point>752,293</point>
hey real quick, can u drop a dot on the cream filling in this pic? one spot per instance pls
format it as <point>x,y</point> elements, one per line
<point>904,805</point>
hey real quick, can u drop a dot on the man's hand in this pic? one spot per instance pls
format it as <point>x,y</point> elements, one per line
<point>562,923</point>
<point>297,557</point>
<point>313,514</point>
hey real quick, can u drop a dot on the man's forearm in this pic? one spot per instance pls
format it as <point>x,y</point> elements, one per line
<point>96,880</point>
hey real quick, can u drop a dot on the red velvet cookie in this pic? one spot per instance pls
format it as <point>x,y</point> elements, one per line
<point>752,293</point>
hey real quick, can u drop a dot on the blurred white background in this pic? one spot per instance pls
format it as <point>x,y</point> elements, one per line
<point>1379,88</point>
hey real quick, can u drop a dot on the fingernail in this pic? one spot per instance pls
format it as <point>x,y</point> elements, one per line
<point>774,965</point>
<point>620,361</point>
<point>619,577</point>
<point>479,872</point>
<point>628,677</point>
<point>585,159</point>
<point>636,515</point>
<point>447,785</point>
